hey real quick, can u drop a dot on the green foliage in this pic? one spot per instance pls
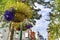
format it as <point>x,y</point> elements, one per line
<point>54,27</point>
<point>57,4</point>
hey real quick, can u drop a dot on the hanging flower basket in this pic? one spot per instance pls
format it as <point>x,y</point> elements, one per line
<point>17,12</point>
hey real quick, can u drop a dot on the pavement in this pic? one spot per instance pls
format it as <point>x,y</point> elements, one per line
<point>4,34</point>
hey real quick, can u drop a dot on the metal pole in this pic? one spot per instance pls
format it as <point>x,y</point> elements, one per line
<point>21,32</point>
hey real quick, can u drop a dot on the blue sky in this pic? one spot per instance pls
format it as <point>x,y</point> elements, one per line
<point>42,24</point>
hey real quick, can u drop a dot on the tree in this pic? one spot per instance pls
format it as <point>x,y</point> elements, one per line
<point>54,26</point>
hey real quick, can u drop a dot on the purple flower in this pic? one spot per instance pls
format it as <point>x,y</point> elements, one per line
<point>9,15</point>
<point>29,26</point>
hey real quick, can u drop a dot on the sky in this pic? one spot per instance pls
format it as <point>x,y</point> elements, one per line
<point>42,24</point>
